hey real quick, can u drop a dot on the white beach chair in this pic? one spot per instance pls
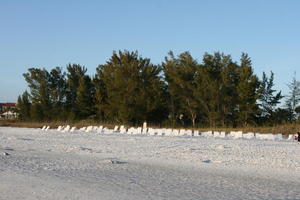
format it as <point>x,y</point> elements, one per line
<point>216,134</point>
<point>270,136</point>
<point>89,129</point>
<point>151,131</point>
<point>168,132</point>
<point>175,132</point>
<point>291,137</point>
<point>189,132</point>
<point>248,136</point>
<point>139,130</point>
<point>100,129</point>
<point>159,132</point>
<point>207,134</point>
<point>222,134</point>
<point>123,130</point>
<point>163,130</point>
<point>134,131</point>
<point>67,128</point>
<point>116,129</point>
<point>181,132</point>
<point>258,136</point>
<point>144,131</point>
<point>232,134</point>
<point>238,135</point>
<point>73,129</point>
<point>196,133</point>
<point>82,129</point>
<point>59,128</point>
<point>130,131</point>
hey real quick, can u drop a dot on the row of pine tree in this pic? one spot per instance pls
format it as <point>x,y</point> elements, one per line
<point>180,91</point>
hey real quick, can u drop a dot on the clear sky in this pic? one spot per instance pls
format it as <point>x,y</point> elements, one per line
<point>53,33</point>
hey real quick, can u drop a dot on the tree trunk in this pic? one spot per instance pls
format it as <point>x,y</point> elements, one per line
<point>193,121</point>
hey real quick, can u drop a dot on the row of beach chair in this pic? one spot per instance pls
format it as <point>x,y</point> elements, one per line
<point>172,132</point>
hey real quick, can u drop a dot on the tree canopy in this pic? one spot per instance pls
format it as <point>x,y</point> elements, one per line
<point>180,91</point>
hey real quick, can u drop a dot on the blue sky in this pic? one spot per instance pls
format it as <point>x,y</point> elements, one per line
<point>53,33</point>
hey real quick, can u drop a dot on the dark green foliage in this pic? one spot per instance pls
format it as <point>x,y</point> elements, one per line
<point>85,98</point>
<point>39,83</point>
<point>129,89</point>
<point>181,76</point>
<point>100,95</point>
<point>220,80</point>
<point>217,92</point>
<point>57,93</point>
<point>297,110</point>
<point>75,72</point>
<point>23,106</point>
<point>280,116</point>
<point>268,100</point>
<point>293,99</point>
<point>181,91</point>
<point>247,91</point>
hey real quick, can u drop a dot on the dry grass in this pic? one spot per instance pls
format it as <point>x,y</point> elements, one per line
<point>284,129</point>
<point>54,124</point>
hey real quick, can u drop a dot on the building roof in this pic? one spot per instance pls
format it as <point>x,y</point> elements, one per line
<point>8,104</point>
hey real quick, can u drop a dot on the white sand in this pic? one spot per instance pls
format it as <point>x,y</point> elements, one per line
<point>79,165</point>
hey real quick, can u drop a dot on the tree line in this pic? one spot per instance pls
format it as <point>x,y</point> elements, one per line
<point>180,91</point>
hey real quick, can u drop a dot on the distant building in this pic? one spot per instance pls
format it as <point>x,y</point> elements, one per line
<point>7,111</point>
<point>4,107</point>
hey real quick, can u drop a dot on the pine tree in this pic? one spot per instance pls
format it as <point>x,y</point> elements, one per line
<point>39,83</point>
<point>268,100</point>
<point>293,98</point>
<point>229,93</point>
<point>247,90</point>
<point>100,95</point>
<point>24,106</point>
<point>84,98</point>
<point>58,93</point>
<point>216,95</point>
<point>181,78</point>
<point>74,73</point>
<point>130,89</point>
